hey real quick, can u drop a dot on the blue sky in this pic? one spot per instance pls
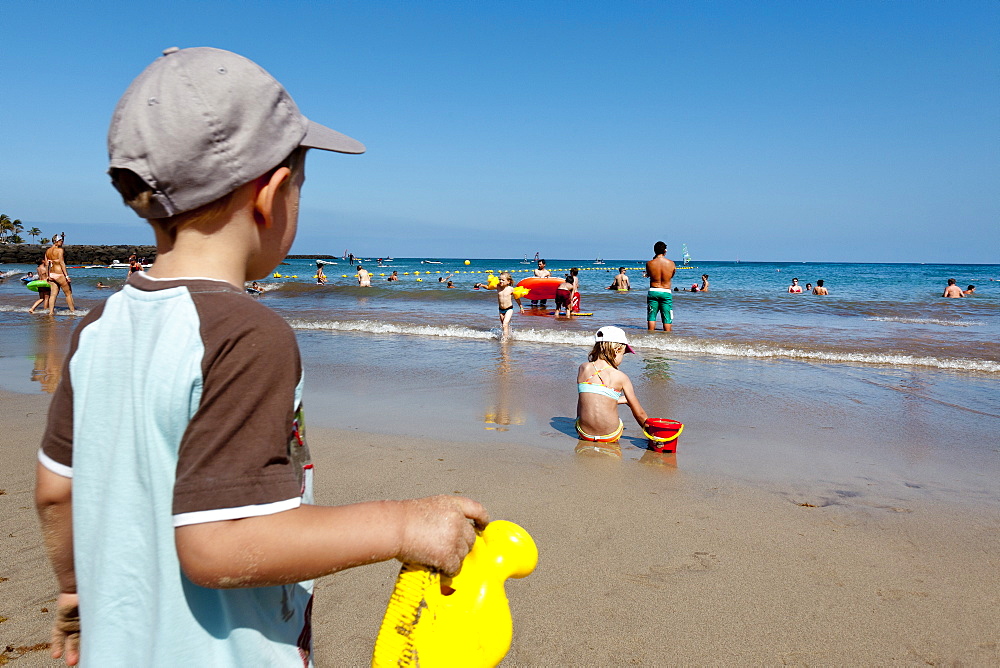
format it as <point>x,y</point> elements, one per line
<point>798,131</point>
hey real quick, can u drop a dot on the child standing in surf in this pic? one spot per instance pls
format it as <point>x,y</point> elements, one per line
<point>505,302</point>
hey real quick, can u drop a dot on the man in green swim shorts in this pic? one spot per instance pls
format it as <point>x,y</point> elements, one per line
<point>659,299</point>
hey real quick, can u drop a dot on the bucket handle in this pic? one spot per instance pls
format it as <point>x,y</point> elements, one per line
<point>663,440</point>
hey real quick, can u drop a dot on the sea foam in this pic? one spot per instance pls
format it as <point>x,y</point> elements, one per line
<point>929,321</point>
<point>655,344</point>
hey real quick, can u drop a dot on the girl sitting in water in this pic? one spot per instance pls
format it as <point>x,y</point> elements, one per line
<point>601,387</point>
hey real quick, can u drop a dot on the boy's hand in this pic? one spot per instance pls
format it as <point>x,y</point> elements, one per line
<point>437,532</point>
<point>66,630</point>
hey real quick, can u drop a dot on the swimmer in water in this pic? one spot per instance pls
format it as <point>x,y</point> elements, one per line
<point>952,291</point>
<point>795,288</point>
<point>620,282</point>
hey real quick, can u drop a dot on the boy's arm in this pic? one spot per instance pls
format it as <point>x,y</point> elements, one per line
<point>53,499</point>
<point>311,541</point>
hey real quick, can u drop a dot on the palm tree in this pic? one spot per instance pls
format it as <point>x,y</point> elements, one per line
<point>34,232</point>
<point>15,239</point>
<point>6,226</point>
<point>44,240</point>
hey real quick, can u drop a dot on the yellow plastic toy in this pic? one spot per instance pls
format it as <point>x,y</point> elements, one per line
<point>520,292</point>
<point>433,621</point>
<point>492,281</point>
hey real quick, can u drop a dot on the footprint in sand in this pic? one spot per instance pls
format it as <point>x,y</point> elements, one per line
<point>898,594</point>
<point>660,574</point>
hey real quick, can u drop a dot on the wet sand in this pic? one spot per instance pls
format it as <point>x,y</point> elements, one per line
<point>647,559</point>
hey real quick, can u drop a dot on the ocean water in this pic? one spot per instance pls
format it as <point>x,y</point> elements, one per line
<point>877,314</point>
<point>882,389</point>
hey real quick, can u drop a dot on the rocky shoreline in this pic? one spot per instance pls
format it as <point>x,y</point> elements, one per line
<point>83,254</point>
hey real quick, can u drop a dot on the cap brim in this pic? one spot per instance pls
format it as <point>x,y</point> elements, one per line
<point>629,349</point>
<point>323,138</point>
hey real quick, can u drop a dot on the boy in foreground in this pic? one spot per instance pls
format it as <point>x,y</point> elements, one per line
<point>174,484</point>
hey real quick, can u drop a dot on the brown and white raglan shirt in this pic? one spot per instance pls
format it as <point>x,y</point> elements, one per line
<point>180,404</point>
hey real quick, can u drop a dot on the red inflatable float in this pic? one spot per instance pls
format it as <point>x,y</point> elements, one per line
<point>539,288</point>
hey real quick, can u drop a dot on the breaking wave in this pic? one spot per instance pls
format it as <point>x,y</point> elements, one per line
<point>655,344</point>
<point>929,321</point>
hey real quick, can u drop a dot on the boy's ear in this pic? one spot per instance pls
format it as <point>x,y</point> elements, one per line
<point>268,190</point>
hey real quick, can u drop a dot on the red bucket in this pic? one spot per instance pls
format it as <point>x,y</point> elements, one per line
<point>663,433</point>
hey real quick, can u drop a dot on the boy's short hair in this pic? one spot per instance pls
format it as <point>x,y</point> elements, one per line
<point>199,123</point>
<point>659,248</point>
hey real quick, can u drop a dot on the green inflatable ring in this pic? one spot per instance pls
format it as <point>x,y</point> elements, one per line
<point>34,285</point>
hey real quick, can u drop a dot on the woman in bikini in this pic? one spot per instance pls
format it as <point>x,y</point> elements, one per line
<point>58,276</point>
<point>601,387</point>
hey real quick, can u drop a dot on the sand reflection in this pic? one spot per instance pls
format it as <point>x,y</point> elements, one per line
<point>51,346</point>
<point>599,450</point>
<point>664,461</point>
<point>660,460</point>
<point>504,411</point>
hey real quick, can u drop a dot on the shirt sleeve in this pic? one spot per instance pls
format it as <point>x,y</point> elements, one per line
<point>56,452</point>
<point>236,457</point>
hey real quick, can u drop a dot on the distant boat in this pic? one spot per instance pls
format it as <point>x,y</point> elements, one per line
<point>323,262</point>
<point>525,260</point>
<point>115,264</point>
<point>598,261</point>
<point>431,262</point>
<point>686,255</point>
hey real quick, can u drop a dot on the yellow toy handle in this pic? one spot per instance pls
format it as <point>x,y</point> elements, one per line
<point>432,621</point>
<point>660,439</point>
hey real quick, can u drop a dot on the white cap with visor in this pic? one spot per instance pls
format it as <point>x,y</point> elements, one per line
<point>613,334</point>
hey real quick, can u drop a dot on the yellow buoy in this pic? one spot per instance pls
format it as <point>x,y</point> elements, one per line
<point>467,262</point>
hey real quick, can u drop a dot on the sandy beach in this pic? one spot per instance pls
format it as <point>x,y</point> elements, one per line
<point>641,561</point>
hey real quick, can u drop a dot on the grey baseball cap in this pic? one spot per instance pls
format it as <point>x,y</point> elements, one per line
<point>199,123</point>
